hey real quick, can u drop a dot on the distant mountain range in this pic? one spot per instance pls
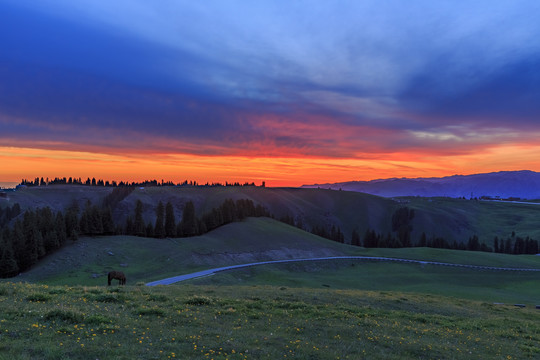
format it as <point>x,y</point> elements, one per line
<point>523,184</point>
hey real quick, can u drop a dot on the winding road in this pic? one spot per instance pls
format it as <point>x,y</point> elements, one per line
<point>179,278</point>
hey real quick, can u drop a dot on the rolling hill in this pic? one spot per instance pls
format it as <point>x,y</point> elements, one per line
<point>453,219</point>
<point>87,260</point>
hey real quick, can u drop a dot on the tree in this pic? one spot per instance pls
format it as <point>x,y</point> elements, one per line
<point>8,263</point>
<point>72,222</point>
<point>473,244</point>
<point>159,227</point>
<point>401,223</point>
<point>508,248</point>
<point>84,222</point>
<point>95,222</point>
<point>189,224</point>
<point>149,230</point>
<point>46,226</point>
<point>170,222</point>
<point>355,238</point>
<point>371,239</point>
<point>107,221</point>
<point>18,242</point>
<point>60,227</point>
<point>129,226</point>
<point>423,240</point>
<point>139,229</point>
<point>33,241</point>
<point>519,246</point>
<point>228,209</point>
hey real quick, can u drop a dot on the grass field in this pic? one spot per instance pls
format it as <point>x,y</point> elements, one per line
<point>256,322</point>
<point>489,286</point>
<point>318,310</point>
<point>87,261</point>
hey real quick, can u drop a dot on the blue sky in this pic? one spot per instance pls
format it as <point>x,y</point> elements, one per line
<point>270,78</point>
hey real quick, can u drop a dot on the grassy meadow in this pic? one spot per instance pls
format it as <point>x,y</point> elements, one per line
<point>490,286</point>
<point>256,322</point>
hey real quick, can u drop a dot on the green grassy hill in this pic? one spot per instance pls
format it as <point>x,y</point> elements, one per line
<point>87,261</point>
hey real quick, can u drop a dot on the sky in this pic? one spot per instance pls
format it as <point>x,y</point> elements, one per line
<point>286,92</point>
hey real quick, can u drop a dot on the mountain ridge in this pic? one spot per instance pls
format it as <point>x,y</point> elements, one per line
<point>523,184</point>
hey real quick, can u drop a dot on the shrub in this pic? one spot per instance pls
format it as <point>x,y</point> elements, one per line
<point>198,300</point>
<point>150,311</point>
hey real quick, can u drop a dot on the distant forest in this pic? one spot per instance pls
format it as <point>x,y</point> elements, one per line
<point>26,237</point>
<point>99,182</point>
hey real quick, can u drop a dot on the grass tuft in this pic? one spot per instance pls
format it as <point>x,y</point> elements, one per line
<point>64,315</point>
<point>157,298</point>
<point>144,311</point>
<point>199,300</point>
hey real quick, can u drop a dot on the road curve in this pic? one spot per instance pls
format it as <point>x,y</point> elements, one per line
<point>209,272</point>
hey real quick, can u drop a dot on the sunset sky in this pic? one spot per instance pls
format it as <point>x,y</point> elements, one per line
<point>287,92</point>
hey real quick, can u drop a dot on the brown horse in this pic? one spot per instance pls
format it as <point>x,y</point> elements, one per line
<point>118,275</point>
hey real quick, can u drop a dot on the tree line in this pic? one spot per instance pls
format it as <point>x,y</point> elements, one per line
<point>166,224</point>
<point>106,183</point>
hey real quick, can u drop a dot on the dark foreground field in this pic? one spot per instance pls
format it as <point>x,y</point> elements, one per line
<point>256,322</point>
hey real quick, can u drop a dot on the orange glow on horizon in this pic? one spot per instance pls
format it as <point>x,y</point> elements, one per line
<point>28,163</point>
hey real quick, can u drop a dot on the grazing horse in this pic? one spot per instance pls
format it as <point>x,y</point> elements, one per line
<point>118,275</point>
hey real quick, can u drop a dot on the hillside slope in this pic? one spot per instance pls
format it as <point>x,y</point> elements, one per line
<point>347,210</point>
<point>88,260</point>
<point>452,219</point>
